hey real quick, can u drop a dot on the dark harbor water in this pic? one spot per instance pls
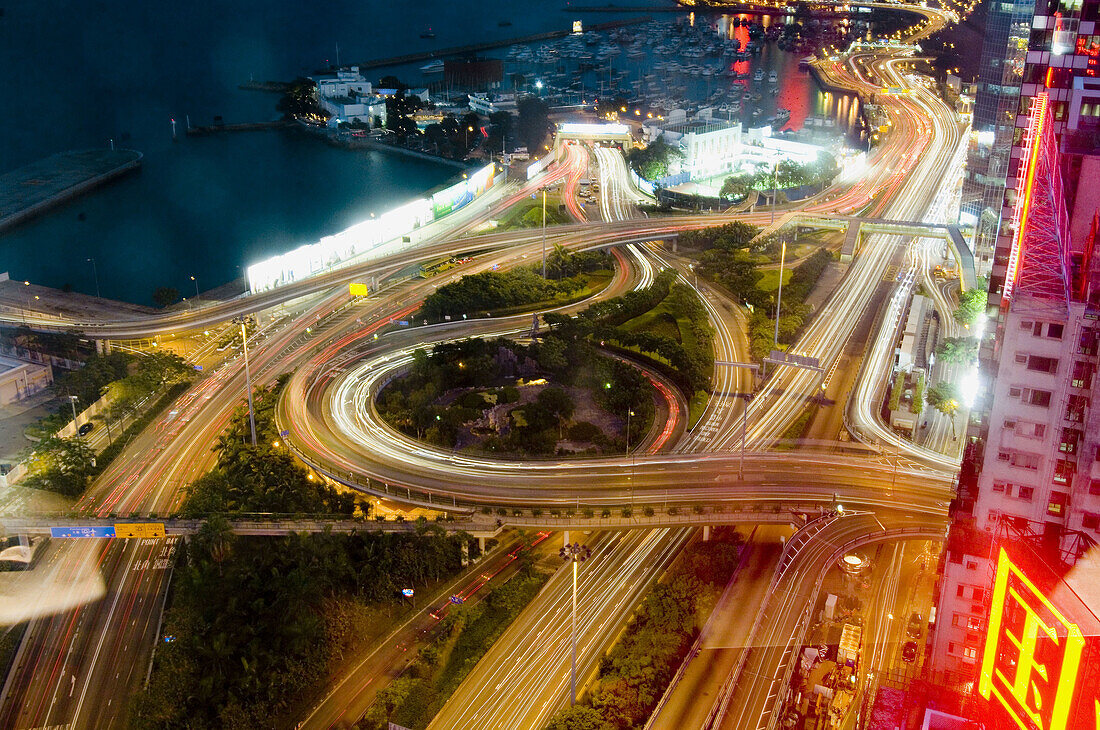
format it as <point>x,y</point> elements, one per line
<point>75,75</point>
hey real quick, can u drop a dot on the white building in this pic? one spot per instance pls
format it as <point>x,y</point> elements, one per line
<point>486,104</point>
<point>348,97</point>
<point>709,149</point>
<point>344,83</point>
<point>22,378</point>
<point>355,108</point>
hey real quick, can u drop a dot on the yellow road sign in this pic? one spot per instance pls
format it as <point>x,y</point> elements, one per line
<point>358,290</point>
<point>139,529</point>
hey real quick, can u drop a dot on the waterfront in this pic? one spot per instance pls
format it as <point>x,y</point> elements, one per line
<point>207,207</point>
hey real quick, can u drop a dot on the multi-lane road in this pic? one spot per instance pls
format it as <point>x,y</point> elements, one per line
<point>77,668</point>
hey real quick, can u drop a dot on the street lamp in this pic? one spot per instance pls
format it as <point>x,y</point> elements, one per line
<point>196,282</point>
<point>95,272</point>
<point>242,321</point>
<point>543,231</point>
<point>72,402</point>
<point>779,296</point>
<point>575,553</point>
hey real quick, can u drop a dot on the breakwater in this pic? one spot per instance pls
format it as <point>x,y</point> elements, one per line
<point>489,45</point>
<point>41,185</point>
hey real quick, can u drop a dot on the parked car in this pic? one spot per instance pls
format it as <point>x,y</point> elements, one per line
<point>85,429</point>
<point>909,651</point>
<point>913,628</point>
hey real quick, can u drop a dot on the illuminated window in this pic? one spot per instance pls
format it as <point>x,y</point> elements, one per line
<point>1071,438</point>
<point>970,652</point>
<point>1063,471</point>
<point>1057,504</point>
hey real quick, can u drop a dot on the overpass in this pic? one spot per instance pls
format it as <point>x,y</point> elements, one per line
<point>855,227</point>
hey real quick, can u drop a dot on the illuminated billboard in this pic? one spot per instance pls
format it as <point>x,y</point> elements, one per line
<point>1038,668</point>
<point>369,235</point>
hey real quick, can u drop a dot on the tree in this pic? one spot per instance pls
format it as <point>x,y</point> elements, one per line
<point>533,124</point>
<point>501,129</point>
<point>163,296</point>
<point>578,717</point>
<point>652,162</point>
<point>737,186</point>
<point>62,465</point>
<point>957,349</point>
<point>944,397</point>
<point>972,303</point>
<point>558,404</point>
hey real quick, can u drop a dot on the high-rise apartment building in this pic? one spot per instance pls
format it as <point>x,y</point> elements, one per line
<point>1031,474</point>
<point>1000,75</point>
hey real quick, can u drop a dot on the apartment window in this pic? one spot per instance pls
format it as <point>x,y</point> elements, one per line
<point>1014,392</point>
<point>1090,521</point>
<point>959,591</point>
<point>1039,398</point>
<point>1026,324</point>
<point>1057,504</point>
<point>1024,460</point>
<point>1040,364</point>
<point>1075,408</point>
<point>1071,439</point>
<point>973,623</point>
<point>1010,424</point>
<point>970,652</point>
<point>1026,493</point>
<point>971,565</point>
<point>1094,486</point>
<point>1021,357</point>
<point>1038,329</point>
<point>998,486</point>
<point>1054,331</point>
<point>1063,471</point>
<point>1082,375</point>
<point>979,594</point>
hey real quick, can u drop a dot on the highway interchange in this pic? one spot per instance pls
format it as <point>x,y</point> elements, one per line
<point>76,668</point>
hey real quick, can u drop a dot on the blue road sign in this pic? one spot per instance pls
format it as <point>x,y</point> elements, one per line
<point>284,433</point>
<point>199,368</point>
<point>95,531</point>
<point>404,323</point>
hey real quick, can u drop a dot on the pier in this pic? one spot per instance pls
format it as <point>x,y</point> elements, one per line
<point>39,186</point>
<point>488,45</point>
<point>243,127</point>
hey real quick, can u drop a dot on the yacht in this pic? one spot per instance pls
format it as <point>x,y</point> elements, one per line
<point>758,76</point>
<point>773,77</point>
<point>433,67</point>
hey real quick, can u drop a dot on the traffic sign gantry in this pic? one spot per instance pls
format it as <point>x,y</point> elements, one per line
<point>91,531</point>
<point>139,529</point>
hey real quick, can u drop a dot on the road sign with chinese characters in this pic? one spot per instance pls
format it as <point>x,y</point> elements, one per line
<point>139,529</point>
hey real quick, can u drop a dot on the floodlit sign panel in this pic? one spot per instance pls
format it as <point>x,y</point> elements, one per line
<point>1032,654</point>
<point>69,532</point>
<point>592,129</point>
<point>139,529</point>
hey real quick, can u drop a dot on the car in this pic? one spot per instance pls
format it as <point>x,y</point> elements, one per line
<point>85,429</point>
<point>913,628</point>
<point>909,651</point>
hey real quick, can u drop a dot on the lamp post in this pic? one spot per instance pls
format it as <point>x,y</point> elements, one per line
<point>196,283</point>
<point>744,428</point>
<point>242,321</point>
<point>72,402</point>
<point>575,554</point>
<point>95,272</point>
<point>544,232</point>
<point>779,295</point>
